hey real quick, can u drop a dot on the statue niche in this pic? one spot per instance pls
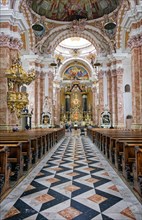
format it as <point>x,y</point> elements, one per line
<point>46,115</point>
<point>106,119</point>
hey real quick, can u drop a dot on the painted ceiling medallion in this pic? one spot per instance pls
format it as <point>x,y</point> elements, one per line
<point>63,10</point>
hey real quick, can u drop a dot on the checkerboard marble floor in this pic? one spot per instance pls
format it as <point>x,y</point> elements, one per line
<point>74,181</point>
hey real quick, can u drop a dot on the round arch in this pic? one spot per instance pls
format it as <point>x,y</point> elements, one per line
<point>49,43</point>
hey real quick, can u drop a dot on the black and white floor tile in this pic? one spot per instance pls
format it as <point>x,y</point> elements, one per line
<point>74,181</point>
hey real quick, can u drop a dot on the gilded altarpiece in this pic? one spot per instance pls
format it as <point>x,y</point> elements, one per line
<point>76,104</point>
<point>76,113</point>
<point>76,101</point>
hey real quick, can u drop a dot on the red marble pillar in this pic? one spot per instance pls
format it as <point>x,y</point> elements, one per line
<point>37,100</point>
<point>57,107</point>
<point>140,64</point>
<point>32,97</point>
<point>94,106</point>
<point>119,95</point>
<point>109,90</point>
<point>42,91</point>
<point>114,97</point>
<point>101,96</point>
<point>9,48</point>
<point>50,81</point>
<point>135,43</point>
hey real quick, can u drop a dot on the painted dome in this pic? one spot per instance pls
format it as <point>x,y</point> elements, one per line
<point>69,10</point>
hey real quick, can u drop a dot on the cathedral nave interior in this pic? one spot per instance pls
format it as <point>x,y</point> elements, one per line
<point>71,109</point>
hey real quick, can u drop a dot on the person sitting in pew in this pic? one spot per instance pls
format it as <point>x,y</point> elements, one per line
<point>15,128</point>
<point>27,127</point>
<point>111,127</point>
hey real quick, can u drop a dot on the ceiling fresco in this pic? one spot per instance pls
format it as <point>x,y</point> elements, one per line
<point>69,10</point>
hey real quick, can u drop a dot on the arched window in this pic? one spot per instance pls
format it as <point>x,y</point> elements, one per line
<point>23,89</point>
<point>127,88</point>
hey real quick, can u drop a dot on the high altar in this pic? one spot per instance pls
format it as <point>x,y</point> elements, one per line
<point>76,95</point>
<point>76,100</point>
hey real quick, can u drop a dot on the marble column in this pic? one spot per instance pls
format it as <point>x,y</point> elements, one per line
<point>46,84</point>
<point>67,103</point>
<point>101,91</point>
<point>135,43</point>
<point>109,90</point>
<point>32,101</point>
<point>95,106</point>
<point>84,103</point>
<point>50,80</point>
<point>42,91</point>
<point>114,97</point>
<point>57,107</point>
<point>9,48</point>
<point>119,94</point>
<point>37,100</point>
<point>50,83</point>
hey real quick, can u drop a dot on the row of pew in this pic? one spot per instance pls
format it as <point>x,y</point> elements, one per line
<point>20,151</point>
<point>124,150</point>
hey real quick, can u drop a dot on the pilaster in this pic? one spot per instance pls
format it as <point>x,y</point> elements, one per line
<point>11,25</point>
<point>95,106</point>
<point>101,91</point>
<point>119,95</point>
<point>135,43</point>
<point>114,97</point>
<point>109,90</point>
<point>9,48</point>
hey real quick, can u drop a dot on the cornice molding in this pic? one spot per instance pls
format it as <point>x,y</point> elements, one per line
<point>14,18</point>
<point>132,16</point>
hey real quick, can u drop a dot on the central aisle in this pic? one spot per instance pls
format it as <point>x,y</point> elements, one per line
<point>75,182</point>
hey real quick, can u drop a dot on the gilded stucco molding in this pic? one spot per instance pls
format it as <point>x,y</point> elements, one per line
<point>11,42</point>
<point>135,41</point>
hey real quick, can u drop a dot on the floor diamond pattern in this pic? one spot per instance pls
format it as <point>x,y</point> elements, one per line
<point>73,184</point>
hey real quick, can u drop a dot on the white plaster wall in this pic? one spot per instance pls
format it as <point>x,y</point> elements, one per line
<point>46,85</point>
<point>127,96</point>
<point>105,90</point>
<point>25,64</point>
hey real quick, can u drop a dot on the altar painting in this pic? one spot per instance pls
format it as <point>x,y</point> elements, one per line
<point>75,72</point>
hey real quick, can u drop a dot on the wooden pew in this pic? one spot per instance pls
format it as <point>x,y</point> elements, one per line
<point>26,148</point>
<point>128,159</point>
<point>4,170</point>
<point>116,147</point>
<point>102,136</point>
<point>15,159</point>
<point>119,149</point>
<point>117,144</point>
<point>137,170</point>
<point>108,140</point>
<point>33,145</point>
